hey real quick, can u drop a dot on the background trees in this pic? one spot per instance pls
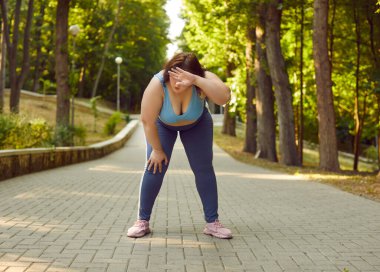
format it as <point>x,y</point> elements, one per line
<point>259,47</point>
<point>139,37</point>
<point>350,53</point>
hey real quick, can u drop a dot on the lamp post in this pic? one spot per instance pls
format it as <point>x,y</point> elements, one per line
<point>118,61</point>
<point>74,31</point>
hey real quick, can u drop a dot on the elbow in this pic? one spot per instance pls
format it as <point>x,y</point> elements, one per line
<point>225,98</point>
<point>147,122</point>
<point>228,97</point>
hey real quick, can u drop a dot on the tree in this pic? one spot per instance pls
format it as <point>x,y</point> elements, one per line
<point>2,67</point>
<point>280,79</point>
<point>62,66</point>
<point>266,124</point>
<point>301,107</point>
<point>213,27</point>
<point>38,35</point>
<point>106,49</point>
<point>250,143</point>
<point>328,151</point>
<point>17,80</point>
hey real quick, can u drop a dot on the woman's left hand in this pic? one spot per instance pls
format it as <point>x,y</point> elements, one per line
<point>182,77</point>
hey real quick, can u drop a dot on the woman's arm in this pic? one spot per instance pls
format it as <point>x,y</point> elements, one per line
<point>211,84</point>
<point>150,108</point>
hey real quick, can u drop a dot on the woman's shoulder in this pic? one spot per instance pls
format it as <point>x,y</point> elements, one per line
<point>159,75</point>
<point>210,75</point>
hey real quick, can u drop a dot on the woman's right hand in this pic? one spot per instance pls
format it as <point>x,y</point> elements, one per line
<point>155,160</point>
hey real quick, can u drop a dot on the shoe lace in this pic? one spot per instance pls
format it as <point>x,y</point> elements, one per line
<point>217,224</point>
<point>140,223</point>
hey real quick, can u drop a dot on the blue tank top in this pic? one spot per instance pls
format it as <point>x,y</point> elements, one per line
<point>167,114</point>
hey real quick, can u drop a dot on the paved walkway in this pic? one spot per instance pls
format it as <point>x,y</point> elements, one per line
<point>75,219</point>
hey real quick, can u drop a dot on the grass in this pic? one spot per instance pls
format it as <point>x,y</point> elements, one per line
<point>364,183</point>
<point>45,107</point>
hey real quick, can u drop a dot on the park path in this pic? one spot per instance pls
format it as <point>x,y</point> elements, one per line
<point>75,218</point>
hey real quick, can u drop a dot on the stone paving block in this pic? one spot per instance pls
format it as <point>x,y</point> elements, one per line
<point>38,267</point>
<point>117,267</point>
<point>16,269</point>
<point>75,219</point>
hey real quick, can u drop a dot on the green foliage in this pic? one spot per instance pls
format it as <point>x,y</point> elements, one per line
<point>140,39</point>
<point>69,135</point>
<point>16,132</point>
<point>127,118</point>
<point>63,136</point>
<point>216,32</point>
<point>94,109</point>
<point>48,87</point>
<point>115,119</point>
<point>7,123</point>
<point>80,134</point>
<point>371,153</point>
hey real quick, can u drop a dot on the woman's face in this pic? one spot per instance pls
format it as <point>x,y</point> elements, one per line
<point>175,87</point>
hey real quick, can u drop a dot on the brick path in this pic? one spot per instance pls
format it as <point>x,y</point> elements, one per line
<point>75,219</point>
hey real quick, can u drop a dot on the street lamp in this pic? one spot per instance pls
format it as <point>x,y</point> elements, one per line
<point>118,61</point>
<point>74,31</point>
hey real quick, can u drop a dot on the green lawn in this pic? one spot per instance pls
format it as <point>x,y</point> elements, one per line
<point>364,183</point>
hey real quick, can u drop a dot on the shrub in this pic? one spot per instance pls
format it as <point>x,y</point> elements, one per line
<point>23,134</point>
<point>127,118</point>
<point>371,154</point>
<point>69,135</point>
<point>80,134</point>
<point>112,122</point>
<point>40,133</point>
<point>6,125</point>
<point>94,109</point>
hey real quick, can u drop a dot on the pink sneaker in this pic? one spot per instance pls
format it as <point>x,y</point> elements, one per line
<point>139,229</point>
<point>216,229</point>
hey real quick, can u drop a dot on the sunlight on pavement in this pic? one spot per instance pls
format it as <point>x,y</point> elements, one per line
<point>259,176</point>
<point>114,169</point>
<point>183,243</point>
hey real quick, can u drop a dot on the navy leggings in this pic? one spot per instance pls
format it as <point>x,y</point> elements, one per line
<point>197,139</point>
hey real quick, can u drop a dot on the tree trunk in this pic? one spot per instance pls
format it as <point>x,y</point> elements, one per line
<point>328,150</point>
<point>37,64</point>
<point>250,144</point>
<point>229,120</point>
<point>26,57</point>
<point>283,95</point>
<point>2,68</point>
<point>358,121</point>
<point>17,81</point>
<point>301,122</point>
<point>62,65</point>
<point>375,47</point>
<point>106,48</point>
<point>266,124</point>
<point>378,132</point>
<point>331,31</point>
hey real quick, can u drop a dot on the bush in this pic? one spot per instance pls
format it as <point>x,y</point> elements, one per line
<point>371,154</point>
<point>112,122</point>
<point>80,134</point>
<point>17,132</point>
<point>6,125</point>
<point>69,136</point>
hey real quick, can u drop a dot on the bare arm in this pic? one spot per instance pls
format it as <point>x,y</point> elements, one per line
<point>214,88</point>
<point>211,84</point>
<point>150,108</point>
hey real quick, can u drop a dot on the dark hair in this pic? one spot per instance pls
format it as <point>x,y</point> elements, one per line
<point>186,61</point>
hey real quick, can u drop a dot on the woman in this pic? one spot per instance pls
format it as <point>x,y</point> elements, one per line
<point>174,101</point>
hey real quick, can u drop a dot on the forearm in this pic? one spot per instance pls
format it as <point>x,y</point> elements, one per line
<point>217,91</point>
<point>151,135</point>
